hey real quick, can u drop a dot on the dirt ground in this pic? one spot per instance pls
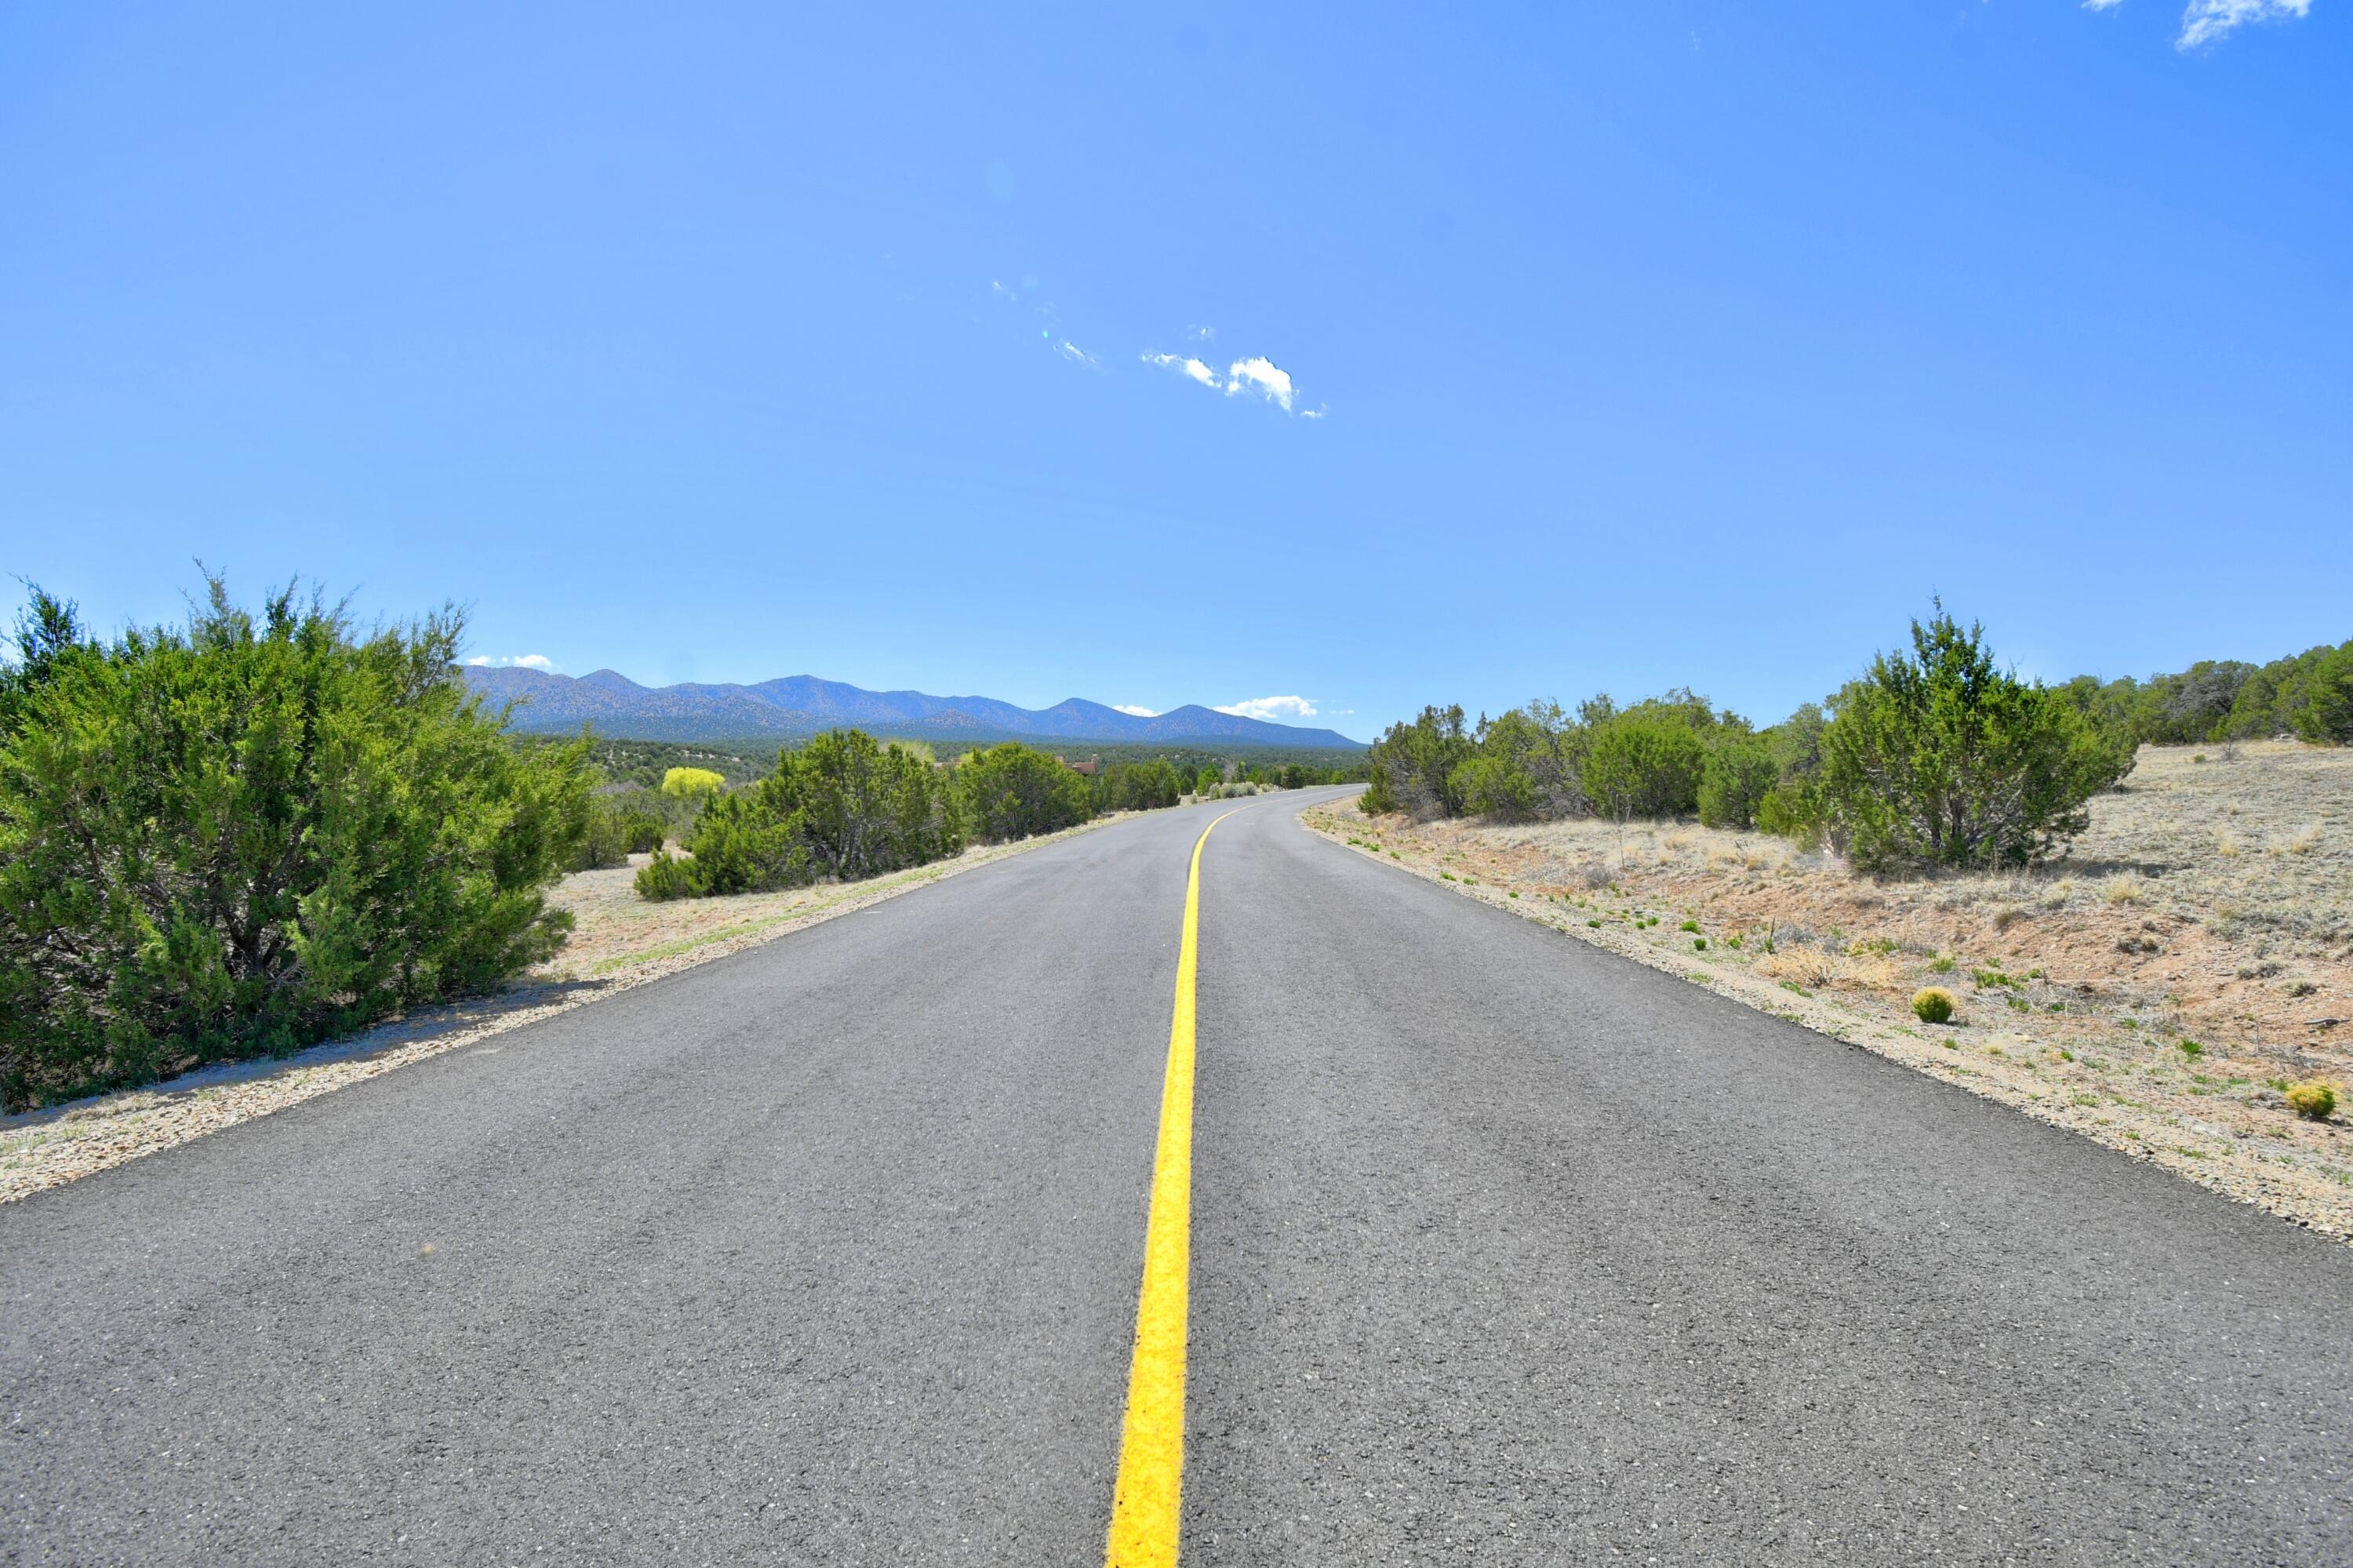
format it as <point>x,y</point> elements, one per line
<point>2157,990</point>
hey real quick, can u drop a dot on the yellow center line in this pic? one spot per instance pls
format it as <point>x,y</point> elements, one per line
<point>1145,1504</point>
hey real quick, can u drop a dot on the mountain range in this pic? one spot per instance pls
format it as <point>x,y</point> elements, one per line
<point>804,705</point>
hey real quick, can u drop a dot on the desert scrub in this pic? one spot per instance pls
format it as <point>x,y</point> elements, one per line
<point>249,834</point>
<point>1932,1005</point>
<point>2313,1100</point>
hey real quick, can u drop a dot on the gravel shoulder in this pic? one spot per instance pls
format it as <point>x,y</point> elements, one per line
<point>619,941</point>
<point>2211,906</point>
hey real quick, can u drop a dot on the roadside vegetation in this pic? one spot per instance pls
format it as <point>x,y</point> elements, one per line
<point>847,806</point>
<point>652,796</point>
<point>250,832</point>
<point>1933,759</point>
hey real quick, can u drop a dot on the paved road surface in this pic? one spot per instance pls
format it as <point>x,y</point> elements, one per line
<point>1506,1251</point>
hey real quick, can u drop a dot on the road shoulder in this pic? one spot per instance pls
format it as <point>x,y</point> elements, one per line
<point>2000,1064</point>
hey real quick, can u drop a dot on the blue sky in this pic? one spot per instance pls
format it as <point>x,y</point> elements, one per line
<point>1533,352</point>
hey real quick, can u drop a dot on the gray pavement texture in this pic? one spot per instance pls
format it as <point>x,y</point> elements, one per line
<point>1506,1251</point>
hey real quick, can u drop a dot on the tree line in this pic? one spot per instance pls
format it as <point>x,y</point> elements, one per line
<point>1934,756</point>
<point>643,808</point>
<point>2308,695</point>
<point>848,805</point>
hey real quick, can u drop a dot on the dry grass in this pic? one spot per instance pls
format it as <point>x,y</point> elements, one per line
<point>2210,905</point>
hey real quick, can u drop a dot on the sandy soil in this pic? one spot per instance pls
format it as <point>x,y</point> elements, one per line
<point>2157,991</point>
<point>619,941</point>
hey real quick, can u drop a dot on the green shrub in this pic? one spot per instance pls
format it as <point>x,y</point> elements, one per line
<point>250,833</point>
<point>1495,787</point>
<point>1740,773</point>
<point>843,806</point>
<point>604,839</point>
<point>867,808</point>
<point>2322,709</point>
<point>1794,810</point>
<point>1413,767</point>
<point>2313,1100</point>
<point>1797,742</point>
<point>2198,703</point>
<point>1137,787</point>
<point>1644,766</point>
<point>665,876</point>
<point>1932,1005</point>
<point>1012,792</point>
<point>618,825</point>
<point>1527,766</point>
<point>738,844</point>
<point>1940,759</point>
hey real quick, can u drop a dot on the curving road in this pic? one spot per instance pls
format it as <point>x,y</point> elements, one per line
<point>1504,1251</point>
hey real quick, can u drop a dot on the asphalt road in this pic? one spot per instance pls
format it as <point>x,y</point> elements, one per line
<point>1504,1251</point>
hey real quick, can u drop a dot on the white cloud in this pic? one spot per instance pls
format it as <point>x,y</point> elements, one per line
<point>539,661</point>
<point>1262,376</point>
<point>1137,712</point>
<point>1201,334</point>
<point>1077,355</point>
<point>2207,20</point>
<point>2102,5</point>
<point>1192,367</point>
<point>1257,374</point>
<point>1272,709</point>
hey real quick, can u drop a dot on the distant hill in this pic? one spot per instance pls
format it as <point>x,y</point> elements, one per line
<point>803,704</point>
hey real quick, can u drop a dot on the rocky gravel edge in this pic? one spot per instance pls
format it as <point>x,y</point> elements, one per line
<point>2301,1203</point>
<point>49,1148</point>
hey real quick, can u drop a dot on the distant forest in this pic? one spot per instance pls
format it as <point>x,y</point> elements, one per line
<point>642,764</point>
